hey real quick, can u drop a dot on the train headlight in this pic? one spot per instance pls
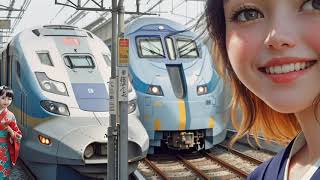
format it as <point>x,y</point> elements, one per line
<point>55,107</point>
<point>132,105</point>
<point>88,152</point>
<point>155,90</point>
<point>50,85</point>
<point>44,140</point>
<point>46,85</point>
<point>61,87</point>
<point>202,89</point>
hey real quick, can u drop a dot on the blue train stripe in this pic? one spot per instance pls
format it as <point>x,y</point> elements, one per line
<point>137,83</point>
<point>212,84</point>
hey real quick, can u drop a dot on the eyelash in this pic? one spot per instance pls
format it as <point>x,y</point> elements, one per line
<point>237,12</point>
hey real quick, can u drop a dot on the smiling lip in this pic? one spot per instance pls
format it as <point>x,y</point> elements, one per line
<point>284,78</point>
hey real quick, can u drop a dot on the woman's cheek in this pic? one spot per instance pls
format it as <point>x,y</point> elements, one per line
<point>311,35</point>
<point>242,47</point>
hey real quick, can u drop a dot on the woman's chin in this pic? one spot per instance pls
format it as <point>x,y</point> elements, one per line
<point>289,106</point>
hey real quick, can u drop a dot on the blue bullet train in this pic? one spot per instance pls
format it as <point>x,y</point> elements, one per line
<point>180,95</point>
<point>60,76</point>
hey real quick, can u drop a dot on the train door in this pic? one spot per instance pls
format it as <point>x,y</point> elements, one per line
<point>19,91</point>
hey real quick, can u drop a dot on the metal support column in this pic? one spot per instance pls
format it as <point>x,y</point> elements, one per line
<point>123,110</point>
<point>112,131</point>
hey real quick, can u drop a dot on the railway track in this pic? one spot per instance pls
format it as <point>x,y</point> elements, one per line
<point>218,163</point>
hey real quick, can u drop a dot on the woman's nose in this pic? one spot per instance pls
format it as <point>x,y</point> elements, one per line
<point>282,34</point>
<point>279,40</point>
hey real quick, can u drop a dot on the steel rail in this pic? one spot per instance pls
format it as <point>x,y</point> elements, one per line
<point>226,165</point>
<point>156,169</point>
<point>192,167</point>
<point>241,154</point>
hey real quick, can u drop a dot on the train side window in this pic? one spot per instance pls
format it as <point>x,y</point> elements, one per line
<point>18,69</point>
<point>45,58</point>
<point>187,48</point>
<point>150,48</point>
<point>170,47</point>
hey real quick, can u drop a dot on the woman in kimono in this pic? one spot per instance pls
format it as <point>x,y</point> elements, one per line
<point>10,135</point>
<point>269,52</point>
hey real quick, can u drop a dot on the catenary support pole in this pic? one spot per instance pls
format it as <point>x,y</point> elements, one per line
<point>123,109</point>
<point>112,129</point>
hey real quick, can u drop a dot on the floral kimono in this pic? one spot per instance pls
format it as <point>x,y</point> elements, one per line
<point>9,146</point>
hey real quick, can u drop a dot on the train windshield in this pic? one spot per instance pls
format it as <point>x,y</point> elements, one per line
<point>150,47</point>
<point>187,48</point>
<point>79,62</point>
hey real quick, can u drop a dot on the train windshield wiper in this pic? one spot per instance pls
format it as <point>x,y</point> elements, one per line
<point>186,54</point>
<point>153,52</point>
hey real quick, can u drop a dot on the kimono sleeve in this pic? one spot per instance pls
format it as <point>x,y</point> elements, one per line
<point>14,142</point>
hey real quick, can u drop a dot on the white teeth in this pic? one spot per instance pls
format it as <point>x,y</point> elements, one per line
<point>287,68</point>
<point>278,70</point>
<point>297,66</point>
<point>271,69</point>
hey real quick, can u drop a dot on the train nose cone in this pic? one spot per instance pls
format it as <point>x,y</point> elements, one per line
<point>88,146</point>
<point>73,144</point>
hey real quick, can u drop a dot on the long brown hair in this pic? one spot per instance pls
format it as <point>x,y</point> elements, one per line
<point>257,117</point>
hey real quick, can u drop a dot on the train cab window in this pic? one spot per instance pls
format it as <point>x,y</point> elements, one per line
<point>45,58</point>
<point>150,48</point>
<point>79,62</point>
<point>170,47</point>
<point>187,48</point>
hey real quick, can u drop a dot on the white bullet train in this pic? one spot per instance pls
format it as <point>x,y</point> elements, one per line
<point>59,75</point>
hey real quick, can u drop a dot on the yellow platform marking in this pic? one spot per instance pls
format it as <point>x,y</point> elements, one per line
<point>157,125</point>
<point>211,122</point>
<point>182,114</point>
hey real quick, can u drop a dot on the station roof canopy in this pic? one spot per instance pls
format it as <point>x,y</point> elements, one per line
<point>11,12</point>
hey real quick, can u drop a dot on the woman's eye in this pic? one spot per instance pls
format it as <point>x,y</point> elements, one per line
<point>247,15</point>
<point>311,5</point>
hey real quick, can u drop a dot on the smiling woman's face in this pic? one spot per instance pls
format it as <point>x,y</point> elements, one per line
<point>274,48</point>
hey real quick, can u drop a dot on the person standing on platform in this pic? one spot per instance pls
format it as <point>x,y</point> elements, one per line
<point>269,52</point>
<point>10,135</point>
